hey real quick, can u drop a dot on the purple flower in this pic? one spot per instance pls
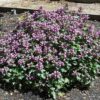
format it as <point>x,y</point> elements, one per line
<point>92,29</point>
<point>59,63</point>
<point>21,61</point>
<point>55,75</point>
<point>13,55</point>
<point>2,60</point>
<point>30,77</point>
<point>97,34</point>
<point>75,73</point>
<point>2,70</point>
<point>38,49</point>
<point>39,66</point>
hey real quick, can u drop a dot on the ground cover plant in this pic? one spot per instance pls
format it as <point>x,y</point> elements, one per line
<point>50,51</point>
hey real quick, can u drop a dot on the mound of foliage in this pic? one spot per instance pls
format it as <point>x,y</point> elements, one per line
<point>50,51</point>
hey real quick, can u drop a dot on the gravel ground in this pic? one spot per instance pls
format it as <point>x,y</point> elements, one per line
<point>7,24</point>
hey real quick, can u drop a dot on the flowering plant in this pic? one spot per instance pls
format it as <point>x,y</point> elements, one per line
<point>50,51</point>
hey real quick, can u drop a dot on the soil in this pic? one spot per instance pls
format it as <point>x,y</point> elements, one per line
<point>8,22</point>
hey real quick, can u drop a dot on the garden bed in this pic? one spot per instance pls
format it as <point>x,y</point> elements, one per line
<point>86,1</point>
<point>93,93</point>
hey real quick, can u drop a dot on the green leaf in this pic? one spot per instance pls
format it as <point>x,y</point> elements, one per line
<point>74,58</point>
<point>75,63</point>
<point>20,77</point>
<point>53,93</point>
<point>59,86</point>
<point>63,70</point>
<point>52,88</point>
<point>78,78</point>
<point>8,74</point>
<point>7,80</point>
<point>66,80</point>
<point>43,76</point>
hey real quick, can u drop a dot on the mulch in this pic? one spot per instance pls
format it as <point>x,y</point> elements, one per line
<point>8,22</point>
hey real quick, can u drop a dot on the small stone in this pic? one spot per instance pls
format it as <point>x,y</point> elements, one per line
<point>11,93</point>
<point>15,91</point>
<point>6,93</point>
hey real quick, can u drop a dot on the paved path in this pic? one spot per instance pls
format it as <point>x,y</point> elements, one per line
<point>2,2</point>
<point>92,9</point>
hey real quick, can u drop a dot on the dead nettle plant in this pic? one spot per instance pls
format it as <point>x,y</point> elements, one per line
<point>50,51</point>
